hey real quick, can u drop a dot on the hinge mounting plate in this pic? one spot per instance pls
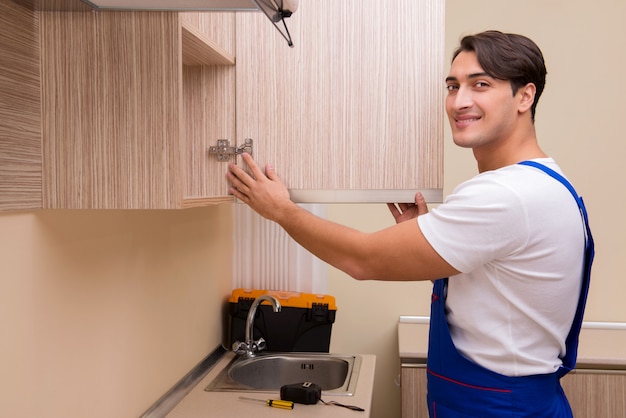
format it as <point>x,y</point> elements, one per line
<point>224,150</point>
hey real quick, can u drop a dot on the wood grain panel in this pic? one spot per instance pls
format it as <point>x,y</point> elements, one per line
<point>356,104</point>
<point>219,27</point>
<point>20,109</point>
<point>216,33</point>
<point>199,50</point>
<point>209,109</point>
<point>596,393</point>
<point>112,101</point>
<point>414,389</point>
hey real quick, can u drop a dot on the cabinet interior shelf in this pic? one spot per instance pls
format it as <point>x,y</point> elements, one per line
<point>200,50</point>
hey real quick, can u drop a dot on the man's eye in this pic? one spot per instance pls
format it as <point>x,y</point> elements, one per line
<point>452,87</point>
<point>482,84</point>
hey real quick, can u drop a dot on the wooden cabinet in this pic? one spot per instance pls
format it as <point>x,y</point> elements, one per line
<point>413,389</point>
<point>354,112</point>
<point>131,102</point>
<point>596,393</point>
<point>113,110</point>
<point>591,392</point>
<point>20,110</point>
<point>117,110</point>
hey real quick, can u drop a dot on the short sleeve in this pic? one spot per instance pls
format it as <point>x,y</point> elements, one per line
<point>481,221</point>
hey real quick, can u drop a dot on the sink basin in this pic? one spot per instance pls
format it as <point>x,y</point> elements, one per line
<point>336,373</point>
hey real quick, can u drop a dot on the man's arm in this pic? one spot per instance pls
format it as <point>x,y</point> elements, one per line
<point>397,253</point>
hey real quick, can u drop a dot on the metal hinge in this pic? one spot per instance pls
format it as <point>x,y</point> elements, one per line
<point>224,150</point>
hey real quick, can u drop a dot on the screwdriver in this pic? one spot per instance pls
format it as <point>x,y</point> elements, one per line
<point>275,403</point>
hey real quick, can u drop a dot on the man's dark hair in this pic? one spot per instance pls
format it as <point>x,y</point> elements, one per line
<point>507,56</point>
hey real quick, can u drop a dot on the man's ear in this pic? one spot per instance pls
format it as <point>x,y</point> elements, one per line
<point>527,97</point>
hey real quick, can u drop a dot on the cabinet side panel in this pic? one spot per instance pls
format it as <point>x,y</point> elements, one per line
<point>111,93</point>
<point>209,103</point>
<point>209,109</point>
<point>20,110</point>
<point>356,104</point>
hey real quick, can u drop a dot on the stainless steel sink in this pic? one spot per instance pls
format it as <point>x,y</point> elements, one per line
<point>336,373</point>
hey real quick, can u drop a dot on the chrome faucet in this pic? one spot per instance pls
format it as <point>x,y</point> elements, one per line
<point>249,347</point>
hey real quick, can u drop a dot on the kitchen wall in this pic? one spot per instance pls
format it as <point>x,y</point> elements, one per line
<point>578,122</point>
<point>101,312</point>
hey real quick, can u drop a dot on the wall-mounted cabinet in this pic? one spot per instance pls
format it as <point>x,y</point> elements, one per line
<point>354,112</point>
<point>111,110</point>
<point>130,103</point>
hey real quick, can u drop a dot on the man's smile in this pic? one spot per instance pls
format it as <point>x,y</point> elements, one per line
<point>466,120</point>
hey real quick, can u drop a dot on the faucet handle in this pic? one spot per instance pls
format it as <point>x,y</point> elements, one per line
<point>239,347</point>
<point>259,345</point>
<point>249,348</point>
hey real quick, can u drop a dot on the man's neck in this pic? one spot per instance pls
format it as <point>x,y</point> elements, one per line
<point>509,152</point>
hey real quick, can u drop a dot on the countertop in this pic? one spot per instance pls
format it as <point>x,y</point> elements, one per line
<point>200,403</point>
<point>602,344</point>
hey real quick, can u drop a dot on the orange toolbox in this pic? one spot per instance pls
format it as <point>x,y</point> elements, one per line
<point>304,323</point>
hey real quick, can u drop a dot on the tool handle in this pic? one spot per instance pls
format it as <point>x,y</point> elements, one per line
<point>275,403</point>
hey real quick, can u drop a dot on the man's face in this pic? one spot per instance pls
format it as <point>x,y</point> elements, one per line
<point>481,109</point>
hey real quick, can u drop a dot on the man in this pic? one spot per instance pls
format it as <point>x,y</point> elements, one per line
<point>511,242</point>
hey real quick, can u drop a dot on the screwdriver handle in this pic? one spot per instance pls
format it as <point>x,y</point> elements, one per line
<point>275,403</point>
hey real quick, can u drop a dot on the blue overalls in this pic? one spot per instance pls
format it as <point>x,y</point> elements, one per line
<point>460,388</point>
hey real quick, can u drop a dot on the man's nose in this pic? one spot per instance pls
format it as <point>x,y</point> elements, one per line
<point>463,98</point>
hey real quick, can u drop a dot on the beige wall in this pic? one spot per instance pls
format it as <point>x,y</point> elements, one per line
<point>101,312</point>
<point>579,123</point>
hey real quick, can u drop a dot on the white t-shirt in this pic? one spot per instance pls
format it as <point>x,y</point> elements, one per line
<point>517,236</point>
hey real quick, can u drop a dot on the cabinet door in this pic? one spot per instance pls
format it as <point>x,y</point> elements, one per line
<point>131,103</point>
<point>413,381</point>
<point>111,102</point>
<point>354,112</point>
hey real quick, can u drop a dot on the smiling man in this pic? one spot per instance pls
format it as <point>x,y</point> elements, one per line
<point>510,242</point>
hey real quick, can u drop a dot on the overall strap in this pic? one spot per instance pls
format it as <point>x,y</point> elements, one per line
<point>569,361</point>
<point>556,175</point>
